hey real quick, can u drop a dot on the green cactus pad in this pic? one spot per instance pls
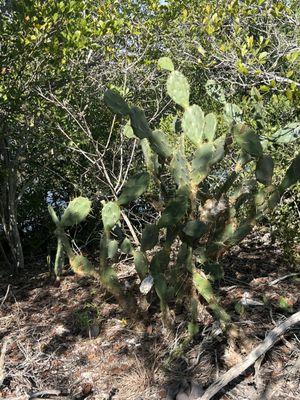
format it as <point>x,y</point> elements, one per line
<point>160,144</point>
<point>233,113</point>
<point>128,131</point>
<point>178,88</point>
<point>77,210</point>
<point>210,127</point>
<point>141,264</point>
<point>165,63</point>
<point>204,287</point>
<point>240,233</point>
<point>110,215</point>
<point>219,150</point>
<point>161,288</point>
<point>292,175</point>
<point>81,266</point>
<point>201,162</point>
<point>288,134</point>
<point>112,248</point>
<point>116,102</point>
<point>159,263</point>
<point>193,124</point>
<point>110,281</point>
<point>264,169</point>
<point>274,199</point>
<point>149,237</point>
<point>134,187</point>
<point>126,246</point>
<point>139,123</point>
<point>214,270</point>
<point>248,140</point>
<point>150,158</point>
<point>195,229</point>
<point>180,169</point>
<point>176,208</point>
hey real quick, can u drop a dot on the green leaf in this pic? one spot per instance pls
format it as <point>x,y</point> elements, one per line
<point>195,229</point>
<point>193,124</point>
<point>178,88</point>
<point>76,212</point>
<point>134,187</point>
<point>264,170</point>
<point>139,123</point>
<point>248,140</point>
<point>210,126</point>
<point>288,134</point>
<point>149,237</point>
<point>110,215</point>
<point>165,63</point>
<point>116,102</point>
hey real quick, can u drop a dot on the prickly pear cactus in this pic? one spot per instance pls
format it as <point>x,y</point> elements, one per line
<point>76,212</point>
<point>205,221</point>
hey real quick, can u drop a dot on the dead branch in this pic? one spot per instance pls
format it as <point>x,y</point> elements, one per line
<point>2,357</point>
<point>271,338</point>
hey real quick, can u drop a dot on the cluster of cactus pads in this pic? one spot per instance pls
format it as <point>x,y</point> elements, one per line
<point>200,223</point>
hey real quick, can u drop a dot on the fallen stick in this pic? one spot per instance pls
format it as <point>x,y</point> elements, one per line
<point>2,357</point>
<point>283,278</point>
<point>271,338</point>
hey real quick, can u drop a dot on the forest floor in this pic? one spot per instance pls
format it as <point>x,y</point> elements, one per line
<point>74,342</point>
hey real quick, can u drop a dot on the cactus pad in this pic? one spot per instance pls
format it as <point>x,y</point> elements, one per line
<point>248,140</point>
<point>178,88</point>
<point>116,102</point>
<point>180,169</point>
<point>165,63</point>
<point>160,144</point>
<point>77,210</point>
<point>112,248</point>
<point>126,246</point>
<point>139,123</point>
<point>264,169</point>
<point>110,215</point>
<point>149,237</point>
<point>141,264</point>
<point>81,266</point>
<point>195,229</point>
<point>193,124</point>
<point>210,127</point>
<point>201,162</point>
<point>134,187</point>
<point>176,208</point>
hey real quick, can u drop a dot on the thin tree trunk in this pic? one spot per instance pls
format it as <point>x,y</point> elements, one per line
<point>8,205</point>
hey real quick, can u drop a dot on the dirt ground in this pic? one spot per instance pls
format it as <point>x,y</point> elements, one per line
<point>74,342</point>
